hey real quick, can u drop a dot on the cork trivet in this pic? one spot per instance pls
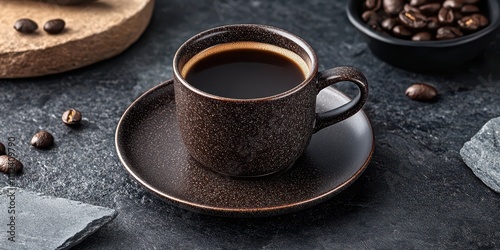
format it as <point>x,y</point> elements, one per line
<point>94,31</point>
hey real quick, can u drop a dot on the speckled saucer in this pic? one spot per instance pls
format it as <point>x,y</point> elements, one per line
<point>149,146</point>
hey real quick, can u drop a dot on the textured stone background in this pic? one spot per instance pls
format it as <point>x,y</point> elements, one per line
<point>417,192</point>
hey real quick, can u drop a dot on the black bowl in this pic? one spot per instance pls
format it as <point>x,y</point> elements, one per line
<point>424,56</point>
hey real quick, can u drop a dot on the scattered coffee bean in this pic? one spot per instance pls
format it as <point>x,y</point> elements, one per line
<point>71,117</point>
<point>42,139</point>
<point>421,92</point>
<point>2,149</point>
<point>10,165</point>
<point>54,26</point>
<point>25,25</point>
<point>421,20</point>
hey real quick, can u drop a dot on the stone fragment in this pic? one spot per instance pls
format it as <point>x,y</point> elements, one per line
<point>34,221</point>
<point>482,154</point>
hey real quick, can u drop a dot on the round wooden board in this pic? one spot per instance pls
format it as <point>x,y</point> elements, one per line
<point>94,31</point>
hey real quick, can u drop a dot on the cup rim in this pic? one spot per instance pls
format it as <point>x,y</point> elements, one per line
<point>313,68</point>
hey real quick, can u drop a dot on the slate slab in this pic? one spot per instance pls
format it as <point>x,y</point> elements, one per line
<point>33,221</point>
<point>482,154</point>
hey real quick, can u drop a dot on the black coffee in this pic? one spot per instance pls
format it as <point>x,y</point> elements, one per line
<point>245,70</point>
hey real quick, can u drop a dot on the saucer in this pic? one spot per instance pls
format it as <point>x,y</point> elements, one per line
<point>150,148</point>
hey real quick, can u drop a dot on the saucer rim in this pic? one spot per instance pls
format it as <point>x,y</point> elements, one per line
<point>247,212</point>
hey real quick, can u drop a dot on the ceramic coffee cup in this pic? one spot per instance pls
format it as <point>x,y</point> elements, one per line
<point>262,135</point>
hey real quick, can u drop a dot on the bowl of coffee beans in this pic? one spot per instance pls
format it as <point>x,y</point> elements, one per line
<point>426,35</point>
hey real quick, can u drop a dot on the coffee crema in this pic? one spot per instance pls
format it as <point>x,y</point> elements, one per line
<point>245,70</point>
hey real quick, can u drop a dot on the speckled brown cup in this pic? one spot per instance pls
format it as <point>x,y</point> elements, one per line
<point>256,137</point>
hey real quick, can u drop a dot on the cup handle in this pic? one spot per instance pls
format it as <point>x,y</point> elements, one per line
<point>335,75</point>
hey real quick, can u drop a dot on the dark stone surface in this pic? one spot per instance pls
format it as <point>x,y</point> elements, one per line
<point>417,193</point>
<point>482,154</point>
<point>37,221</point>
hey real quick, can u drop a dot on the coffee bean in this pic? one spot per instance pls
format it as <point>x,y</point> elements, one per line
<point>71,117</point>
<point>422,36</point>
<point>469,9</point>
<point>446,16</point>
<point>370,16</point>
<point>430,9</point>
<point>393,7</point>
<point>449,32</point>
<point>473,22</point>
<point>418,2</point>
<point>372,19</point>
<point>42,139</point>
<point>2,149</point>
<point>483,21</point>
<point>432,23</point>
<point>423,20</point>
<point>401,31</point>
<point>453,4</point>
<point>413,19</point>
<point>10,165</point>
<point>421,92</point>
<point>375,26</point>
<point>25,25</point>
<point>373,4</point>
<point>54,26</point>
<point>389,23</point>
<point>408,7</point>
